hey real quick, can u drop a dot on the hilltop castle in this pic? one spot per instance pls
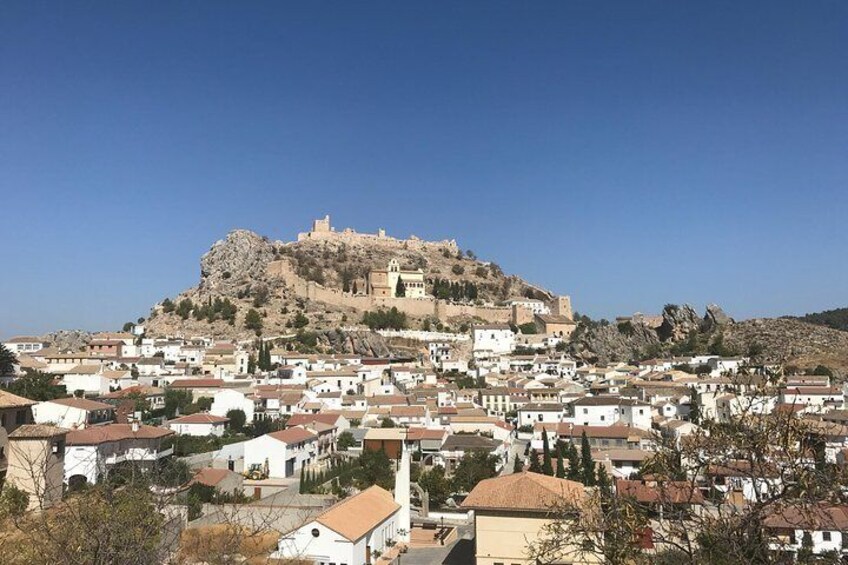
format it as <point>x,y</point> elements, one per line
<point>322,230</point>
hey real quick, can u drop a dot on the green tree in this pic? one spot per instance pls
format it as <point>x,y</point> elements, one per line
<point>36,385</point>
<point>167,306</point>
<point>345,440</point>
<point>475,466</point>
<point>436,485</point>
<point>573,457</point>
<point>517,465</point>
<point>547,465</point>
<point>586,461</point>
<point>535,467</point>
<point>695,407</point>
<point>387,423</point>
<point>253,321</point>
<point>184,308</point>
<point>375,468</point>
<point>176,401</point>
<point>8,360</point>
<point>237,419</point>
<point>560,466</point>
<point>400,288</point>
<point>300,320</point>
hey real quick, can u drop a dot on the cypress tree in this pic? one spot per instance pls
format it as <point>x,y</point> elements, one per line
<point>573,462</point>
<point>587,462</point>
<point>560,469</point>
<point>547,466</point>
<point>534,462</point>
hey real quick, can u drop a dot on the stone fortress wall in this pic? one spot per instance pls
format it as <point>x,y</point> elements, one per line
<point>416,307</point>
<point>322,230</point>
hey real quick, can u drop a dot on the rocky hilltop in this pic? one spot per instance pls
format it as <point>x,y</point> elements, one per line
<point>682,331</point>
<point>246,271</point>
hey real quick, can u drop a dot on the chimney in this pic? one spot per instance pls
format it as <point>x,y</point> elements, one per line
<point>135,426</point>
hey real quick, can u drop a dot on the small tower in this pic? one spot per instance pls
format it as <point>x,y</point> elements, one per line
<point>402,491</point>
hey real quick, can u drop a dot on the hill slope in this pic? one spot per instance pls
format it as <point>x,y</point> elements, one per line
<point>246,271</point>
<point>836,319</point>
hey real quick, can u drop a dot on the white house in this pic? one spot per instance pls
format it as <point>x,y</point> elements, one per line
<point>93,451</point>
<point>228,399</point>
<point>284,452</point>
<point>73,413</point>
<point>492,340</point>
<point>825,527</point>
<point>87,378</point>
<point>350,532</point>
<point>547,413</point>
<point>24,344</point>
<point>199,425</point>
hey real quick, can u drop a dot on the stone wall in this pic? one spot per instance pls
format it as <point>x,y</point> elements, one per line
<point>416,307</point>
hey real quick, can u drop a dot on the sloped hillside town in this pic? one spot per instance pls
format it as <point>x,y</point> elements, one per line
<point>488,443</point>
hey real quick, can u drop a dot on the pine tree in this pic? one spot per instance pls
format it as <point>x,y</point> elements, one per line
<point>517,465</point>
<point>587,462</point>
<point>695,408</point>
<point>355,289</point>
<point>547,466</point>
<point>400,288</point>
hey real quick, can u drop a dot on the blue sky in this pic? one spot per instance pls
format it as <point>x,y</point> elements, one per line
<point>627,153</point>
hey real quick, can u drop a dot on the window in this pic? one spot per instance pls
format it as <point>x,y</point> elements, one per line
<point>20,417</point>
<point>826,536</point>
<point>315,532</point>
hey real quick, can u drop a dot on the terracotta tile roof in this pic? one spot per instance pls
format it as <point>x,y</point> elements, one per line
<point>115,432</point>
<point>82,404</point>
<point>197,383</point>
<point>88,369</point>
<point>418,434</point>
<point>211,477</point>
<point>408,411</point>
<point>523,491</point>
<point>9,400</point>
<point>668,492</point>
<point>306,419</point>
<point>199,418</point>
<point>293,435</point>
<point>24,339</point>
<point>137,389</point>
<point>37,431</point>
<point>388,400</point>
<point>815,518</point>
<point>354,517</point>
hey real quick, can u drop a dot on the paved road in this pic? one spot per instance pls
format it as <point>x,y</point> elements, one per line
<point>460,552</point>
<point>517,450</point>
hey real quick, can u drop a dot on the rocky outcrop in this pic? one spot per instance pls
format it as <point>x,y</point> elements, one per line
<point>607,343</point>
<point>67,340</point>
<point>367,344</point>
<point>678,322</point>
<point>715,318</point>
<point>242,257</point>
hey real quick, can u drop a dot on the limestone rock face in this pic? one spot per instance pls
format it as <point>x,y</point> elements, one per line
<point>67,340</point>
<point>242,255</point>
<point>715,317</point>
<point>604,344</point>
<point>367,344</point>
<point>678,322</point>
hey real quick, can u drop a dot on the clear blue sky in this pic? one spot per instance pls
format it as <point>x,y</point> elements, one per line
<point>627,153</point>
